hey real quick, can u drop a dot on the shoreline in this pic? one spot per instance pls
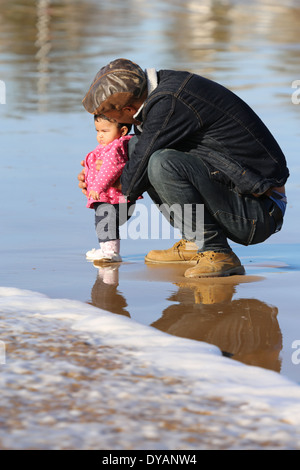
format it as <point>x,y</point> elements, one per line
<point>260,307</point>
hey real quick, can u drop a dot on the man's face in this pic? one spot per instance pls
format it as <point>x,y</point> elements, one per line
<point>125,115</point>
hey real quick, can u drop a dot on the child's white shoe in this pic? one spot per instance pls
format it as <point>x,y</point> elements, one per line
<point>108,253</point>
<point>93,254</point>
<point>107,258</point>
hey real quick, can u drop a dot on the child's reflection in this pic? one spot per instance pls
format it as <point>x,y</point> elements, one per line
<point>105,293</point>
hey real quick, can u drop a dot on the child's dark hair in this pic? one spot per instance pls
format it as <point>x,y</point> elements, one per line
<point>119,124</point>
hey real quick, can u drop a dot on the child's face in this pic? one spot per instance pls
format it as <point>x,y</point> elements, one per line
<point>107,131</point>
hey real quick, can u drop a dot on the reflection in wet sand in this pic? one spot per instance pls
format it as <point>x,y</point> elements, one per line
<point>245,329</point>
<point>105,293</point>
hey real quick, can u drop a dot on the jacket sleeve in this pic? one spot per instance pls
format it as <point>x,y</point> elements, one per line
<point>114,159</point>
<point>166,122</point>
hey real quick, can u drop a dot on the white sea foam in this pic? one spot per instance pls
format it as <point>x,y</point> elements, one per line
<point>76,376</point>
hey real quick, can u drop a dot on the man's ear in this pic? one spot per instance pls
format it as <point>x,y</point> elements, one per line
<point>131,109</point>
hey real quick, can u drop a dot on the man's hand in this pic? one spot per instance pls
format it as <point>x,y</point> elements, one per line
<point>117,184</point>
<point>279,189</point>
<point>81,179</point>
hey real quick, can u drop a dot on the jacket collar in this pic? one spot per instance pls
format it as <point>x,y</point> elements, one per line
<point>152,82</point>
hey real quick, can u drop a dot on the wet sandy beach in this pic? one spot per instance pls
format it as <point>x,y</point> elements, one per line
<point>59,383</point>
<point>247,317</point>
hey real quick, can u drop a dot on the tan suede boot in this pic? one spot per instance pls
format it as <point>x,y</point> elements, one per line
<point>183,252</point>
<point>213,264</point>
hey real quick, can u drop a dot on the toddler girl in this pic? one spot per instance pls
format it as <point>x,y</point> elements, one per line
<point>111,207</point>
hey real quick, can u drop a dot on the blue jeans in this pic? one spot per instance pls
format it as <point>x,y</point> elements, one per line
<point>178,178</point>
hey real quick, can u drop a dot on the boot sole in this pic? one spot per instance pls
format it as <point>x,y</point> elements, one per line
<point>239,270</point>
<point>180,261</point>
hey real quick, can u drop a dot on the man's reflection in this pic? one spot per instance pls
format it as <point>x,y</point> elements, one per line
<point>244,329</point>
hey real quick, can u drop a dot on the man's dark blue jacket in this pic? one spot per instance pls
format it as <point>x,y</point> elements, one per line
<point>192,114</point>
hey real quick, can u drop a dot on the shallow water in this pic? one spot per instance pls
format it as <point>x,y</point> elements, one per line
<point>49,53</point>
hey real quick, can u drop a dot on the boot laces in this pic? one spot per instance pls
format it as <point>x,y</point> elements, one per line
<point>199,256</point>
<point>180,244</point>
